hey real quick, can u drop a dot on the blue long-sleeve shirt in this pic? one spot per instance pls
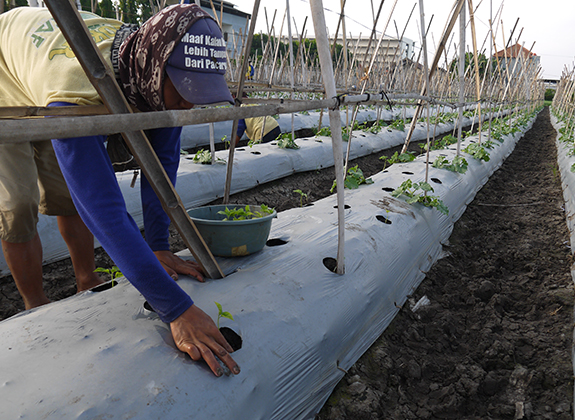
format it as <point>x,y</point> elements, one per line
<point>95,191</point>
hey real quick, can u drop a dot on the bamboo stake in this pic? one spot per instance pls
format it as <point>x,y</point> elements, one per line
<point>425,69</point>
<point>241,79</point>
<point>291,64</point>
<point>400,38</point>
<point>277,48</point>
<point>461,76</point>
<point>269,44</point>
<point>365,79</point>
<point>339,23</point>
<point>362,68</point>
<point>477,83</point>
<point>456,9</point>
<point>335,122</point>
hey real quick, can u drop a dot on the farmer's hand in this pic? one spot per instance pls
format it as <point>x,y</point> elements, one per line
<point>195,333</point>
<point>174,265</point>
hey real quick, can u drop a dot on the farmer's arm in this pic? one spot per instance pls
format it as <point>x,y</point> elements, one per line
<point>94,188</point>
<point>241,130</point>
<point>166,143</point>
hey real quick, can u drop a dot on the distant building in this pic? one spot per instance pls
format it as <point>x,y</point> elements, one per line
<point>551,83</point>
<point>390,50</point>
<point>516,60</point>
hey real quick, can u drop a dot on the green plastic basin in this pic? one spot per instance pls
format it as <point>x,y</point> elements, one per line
<point>231,238</point>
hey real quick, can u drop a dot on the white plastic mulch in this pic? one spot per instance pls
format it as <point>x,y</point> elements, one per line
<point>102,355</point>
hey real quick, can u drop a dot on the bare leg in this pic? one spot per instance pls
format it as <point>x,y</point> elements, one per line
<point>80,242</point>
<point>25,263</point>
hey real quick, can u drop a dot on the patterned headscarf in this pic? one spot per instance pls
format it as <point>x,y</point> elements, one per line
<point>144,54</point>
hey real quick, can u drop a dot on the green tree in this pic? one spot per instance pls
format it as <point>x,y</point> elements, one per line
<point>469,61</point>
<point>11,4</point>
<point>260,41</point>
<point>549,94</point>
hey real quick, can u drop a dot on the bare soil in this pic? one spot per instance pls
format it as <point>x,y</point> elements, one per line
<point>495,340</point>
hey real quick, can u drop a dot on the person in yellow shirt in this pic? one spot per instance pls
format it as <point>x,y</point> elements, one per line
<point>175,60</point>
<point>258,129</point>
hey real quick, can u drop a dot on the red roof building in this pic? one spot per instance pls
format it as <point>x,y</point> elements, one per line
<point>514,52</point>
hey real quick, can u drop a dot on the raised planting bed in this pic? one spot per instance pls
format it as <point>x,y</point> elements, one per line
<point>105,355</point>
<point>566,161</point>
<point>201,184</point>
<point>199,135</point>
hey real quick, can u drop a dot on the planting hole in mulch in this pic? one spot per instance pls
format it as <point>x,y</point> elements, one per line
<point>383,219</point>
<point>276,242</point>
<point>330,263</point>
<point>104,286</point>
<point>232,338</point>
<point>436,180</point>
<point>388,189</point>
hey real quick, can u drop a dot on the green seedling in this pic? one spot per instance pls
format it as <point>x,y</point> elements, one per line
<point>488,144</point>
<point>411,190</point>
<point>396,158</point>
<point>458,164</point>
<point>325,132</point>
<point>353,179</point>
<point>222,314</point>
<point>114,272</point>
<point>398,125</point>
<point>302,195</point>
<point>205,157</point>
<point>477,151</point>
<point>202,156</point>
<point>246,213</point>
<point>442,143</point>
<point>285,141</point>
<point>252,142</point>
<point>344,134</point>
<point>226,142</point>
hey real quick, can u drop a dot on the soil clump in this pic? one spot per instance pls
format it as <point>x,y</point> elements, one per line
<point>494,341</point>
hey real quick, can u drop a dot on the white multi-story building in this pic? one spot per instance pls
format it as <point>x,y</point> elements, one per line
<point>390,50</point>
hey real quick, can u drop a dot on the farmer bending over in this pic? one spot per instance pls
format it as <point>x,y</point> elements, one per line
<point>171,62</point>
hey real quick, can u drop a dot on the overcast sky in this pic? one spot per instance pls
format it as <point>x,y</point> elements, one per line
<point>549,24</point>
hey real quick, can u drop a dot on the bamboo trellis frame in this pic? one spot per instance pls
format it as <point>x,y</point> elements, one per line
<point>408,80</point>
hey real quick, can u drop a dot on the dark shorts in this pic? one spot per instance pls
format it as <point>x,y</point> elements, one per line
<point>272,135</point>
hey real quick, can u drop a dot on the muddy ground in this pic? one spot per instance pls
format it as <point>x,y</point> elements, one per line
<point>495,340</point>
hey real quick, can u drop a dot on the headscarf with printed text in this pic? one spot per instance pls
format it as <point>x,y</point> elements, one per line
<point>144,54</point>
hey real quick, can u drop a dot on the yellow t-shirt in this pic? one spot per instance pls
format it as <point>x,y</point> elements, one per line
<point>37,66</point>
<point>254,126</point>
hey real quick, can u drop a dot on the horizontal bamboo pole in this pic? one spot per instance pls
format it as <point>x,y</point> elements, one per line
<point>33,129</point>
<point>41,111</point>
